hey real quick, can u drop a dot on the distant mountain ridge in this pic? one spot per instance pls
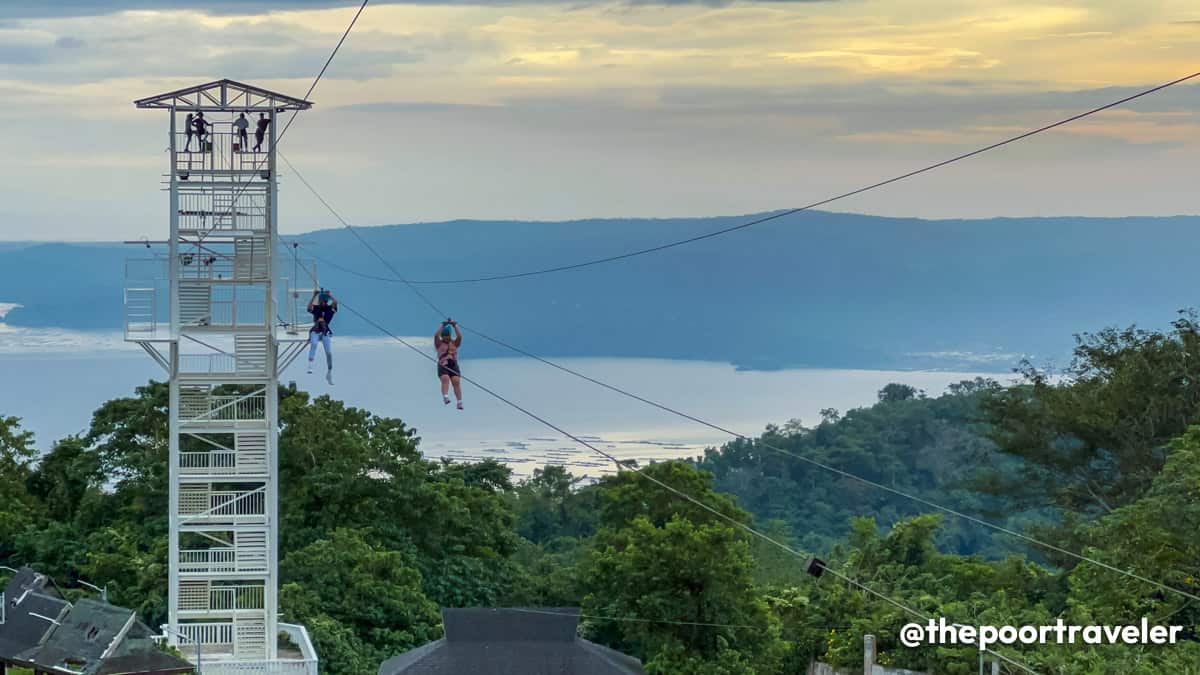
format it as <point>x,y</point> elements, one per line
<point>813,289</point>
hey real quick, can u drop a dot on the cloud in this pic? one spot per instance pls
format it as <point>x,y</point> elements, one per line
<point>411,107</point>
<point>253,64</point>
<point>69,42</point>
<point>900,103</point>
<point>21,55</point>
<point>68,8</point>
<point>618,107</point>
<point>261,49</point>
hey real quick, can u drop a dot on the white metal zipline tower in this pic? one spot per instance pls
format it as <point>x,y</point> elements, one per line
<point>211,312</point>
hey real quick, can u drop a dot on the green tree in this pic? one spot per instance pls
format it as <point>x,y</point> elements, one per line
<point>681,572</point>
<point>345,467</point>
<point>932,448</point>
<point>18,509</point>
<point>1092,439</point>
<point>896,391</point>
<point>361,603</point>
<point>906,567</point>
<point>1153,537</point>
<point>548,506</point>
<point>132,563</point>
<point>677,566</point>
<point>630,494</point>
<point>131,435</point>
<point>66,477</point>
<point>675,659</point>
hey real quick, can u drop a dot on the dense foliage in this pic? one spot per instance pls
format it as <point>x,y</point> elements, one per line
<point>1102,460</point>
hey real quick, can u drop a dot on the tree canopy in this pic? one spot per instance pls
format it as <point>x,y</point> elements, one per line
<point>1102,459</point>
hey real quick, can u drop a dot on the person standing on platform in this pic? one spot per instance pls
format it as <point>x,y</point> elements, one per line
<point>260,131</point>
<point>189,128</point>
<point>240,125</point>
<point>202,126</point>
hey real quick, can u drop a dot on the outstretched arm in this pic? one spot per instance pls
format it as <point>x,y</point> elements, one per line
<point>457,334</point>
<point>312,300</point>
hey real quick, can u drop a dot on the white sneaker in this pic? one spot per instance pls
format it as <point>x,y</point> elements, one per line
<point>329,376</point>
<point>445,399</point>
<point>460,405</point>
<point>310,367</point>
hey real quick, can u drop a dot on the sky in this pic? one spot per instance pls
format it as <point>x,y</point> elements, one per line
<point>545,110</point>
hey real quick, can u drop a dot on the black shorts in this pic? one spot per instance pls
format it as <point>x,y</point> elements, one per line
<point>449,368</point>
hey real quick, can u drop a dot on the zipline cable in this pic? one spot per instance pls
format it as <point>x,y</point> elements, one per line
<point>716,427</point>
<point>634,619</point>
<point>641,472</point>
<point>631,619</point>
<point>325,67</point>
<point>840,472</point>
<point>279,139</point>
<point>823,202</point>
<point>616,462</point>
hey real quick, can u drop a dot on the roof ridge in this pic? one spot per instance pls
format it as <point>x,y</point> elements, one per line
<point>234,95</point>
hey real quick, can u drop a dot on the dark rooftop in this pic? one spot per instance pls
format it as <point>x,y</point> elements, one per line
<point>511,642</point>
<point>28,593</point>
<point>140,664</point>
<point>90,637</point>
<point>87,634</point>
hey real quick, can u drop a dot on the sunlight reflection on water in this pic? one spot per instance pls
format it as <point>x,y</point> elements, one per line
<point>57,381</point>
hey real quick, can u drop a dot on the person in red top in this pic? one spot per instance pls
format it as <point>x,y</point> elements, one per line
<point>447,340</point>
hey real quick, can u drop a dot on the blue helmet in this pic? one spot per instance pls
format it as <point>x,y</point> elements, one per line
<point>446,329</point>
<point>324,296</point>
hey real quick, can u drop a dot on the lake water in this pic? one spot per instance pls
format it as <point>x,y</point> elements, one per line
<point>57,378</point>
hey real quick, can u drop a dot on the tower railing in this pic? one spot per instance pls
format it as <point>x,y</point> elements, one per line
<point>202,407</point>
<point>223,463</point>
<point>208,561</point>
<point>239,205</point>
<point>205,505</point>
<point>219,151</point>
<point>146,298</point>
<point>223,290</point>
<point>203,596</point>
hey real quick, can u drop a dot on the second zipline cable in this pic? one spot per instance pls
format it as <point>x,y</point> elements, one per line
<point>716,427</point>
<point>679,493</point>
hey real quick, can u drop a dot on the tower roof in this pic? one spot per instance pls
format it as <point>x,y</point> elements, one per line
<point>224,95</point>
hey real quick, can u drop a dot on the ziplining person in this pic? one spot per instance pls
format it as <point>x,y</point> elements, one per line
<point>322,306</point>
<point>447,340</point>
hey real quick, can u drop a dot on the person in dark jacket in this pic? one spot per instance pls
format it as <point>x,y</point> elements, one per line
<point>322,306</point>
